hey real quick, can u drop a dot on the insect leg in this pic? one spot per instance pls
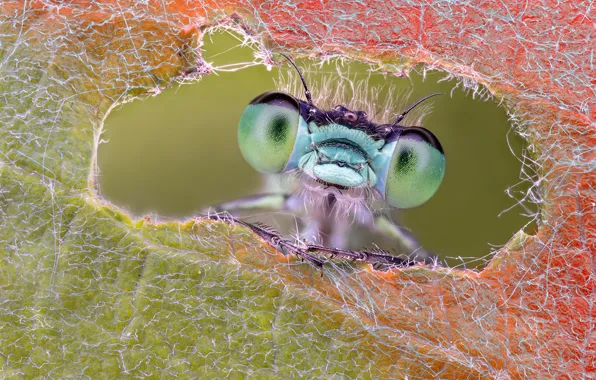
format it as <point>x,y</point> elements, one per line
<point>270,236</point>
<point>272,201</point>
<point>377,257</point>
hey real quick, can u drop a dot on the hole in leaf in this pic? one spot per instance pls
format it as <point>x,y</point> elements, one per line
<point>177,153</point>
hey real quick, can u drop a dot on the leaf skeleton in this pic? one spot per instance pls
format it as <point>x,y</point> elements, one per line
<point>344,162</point>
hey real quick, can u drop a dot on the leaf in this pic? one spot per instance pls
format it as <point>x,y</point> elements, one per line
<point>87,291</point>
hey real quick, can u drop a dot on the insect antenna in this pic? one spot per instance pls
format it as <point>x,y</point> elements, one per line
<point>306,90</point>
<point>401,116</point>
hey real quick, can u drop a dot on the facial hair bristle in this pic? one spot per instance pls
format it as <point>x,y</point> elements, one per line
<point>382,103</point>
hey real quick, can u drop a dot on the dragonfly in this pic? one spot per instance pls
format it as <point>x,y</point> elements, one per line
<point>344,164</point>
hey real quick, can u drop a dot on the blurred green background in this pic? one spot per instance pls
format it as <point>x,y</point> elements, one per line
<point>175,154</point>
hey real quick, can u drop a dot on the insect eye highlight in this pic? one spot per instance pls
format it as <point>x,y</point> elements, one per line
<point>423,135</point>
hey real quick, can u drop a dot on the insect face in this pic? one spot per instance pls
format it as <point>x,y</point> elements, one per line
<point>339,155</point>
<point>341,148</point>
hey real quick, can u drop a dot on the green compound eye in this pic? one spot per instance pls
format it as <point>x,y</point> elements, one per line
<point>267,131</point>
<point>416,169</point>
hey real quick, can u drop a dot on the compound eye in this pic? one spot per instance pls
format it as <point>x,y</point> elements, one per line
<point>267,131</point>
<point>416,168</point>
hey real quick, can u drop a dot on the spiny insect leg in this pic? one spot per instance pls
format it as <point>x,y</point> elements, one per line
<point>375,256</point>
<point>271,236</point>
<point>380,259</point>
<point>301,253</point>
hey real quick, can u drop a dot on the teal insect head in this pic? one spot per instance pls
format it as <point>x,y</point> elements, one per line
<point>341,148</point>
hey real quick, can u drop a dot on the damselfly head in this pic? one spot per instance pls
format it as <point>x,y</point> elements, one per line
<point>341,148</point>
